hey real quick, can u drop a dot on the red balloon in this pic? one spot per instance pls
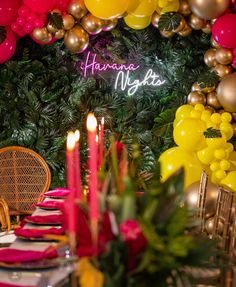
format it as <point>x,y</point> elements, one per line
<point>61,5</point>
<point>224,32</point>
<point>8,47</point>
<point>8,12</point>
<point>40,6</point>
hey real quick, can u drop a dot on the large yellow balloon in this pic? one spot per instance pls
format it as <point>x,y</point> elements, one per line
<point>174,158</point>
<point>183,111</point>
<point>137,22</point>
<point>230,180</point>
<point>188,134</point>
<point>106,9</point>
<point>142,8</point>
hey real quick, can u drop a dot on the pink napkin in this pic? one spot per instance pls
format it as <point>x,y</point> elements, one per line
<point>50,204</point>
<point>44,219</point>
<point>58,192</point>
<point>37,233</point>
<point>9,255</point>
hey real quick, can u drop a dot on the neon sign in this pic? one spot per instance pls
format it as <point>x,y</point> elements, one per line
<point>124,78</point>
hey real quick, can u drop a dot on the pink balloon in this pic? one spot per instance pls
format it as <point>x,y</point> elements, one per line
<point>8,47</point>
<point>40,6</point>
<point>61,5</point>
<point>224,31</point>
<point>8,12</point>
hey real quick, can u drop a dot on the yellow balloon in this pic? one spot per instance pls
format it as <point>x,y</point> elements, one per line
<point>107,9</point>
<point>230,180</point>
<point>174,158</point>
<point>206,155</point>
<point>172,6</point>
<point>183,112</point>
<point>188,134</point>
<point>137,23</point>
<point>144,9</point>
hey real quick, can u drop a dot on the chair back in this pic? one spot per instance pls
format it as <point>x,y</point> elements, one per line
<point>202,200</point>
<point>24,177</point>
<point>221,228</point>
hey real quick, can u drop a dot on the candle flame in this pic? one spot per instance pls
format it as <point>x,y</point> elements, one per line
<point>77,135</point>
<point>70,143</point>
<point>91,123</point>
<point>102,121</point>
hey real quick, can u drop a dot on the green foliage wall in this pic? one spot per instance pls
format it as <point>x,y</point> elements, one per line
<point>43,94</point>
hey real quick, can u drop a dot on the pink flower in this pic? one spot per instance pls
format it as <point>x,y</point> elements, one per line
<point>130,230</point>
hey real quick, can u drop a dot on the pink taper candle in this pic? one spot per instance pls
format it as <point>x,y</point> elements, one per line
<point>78,185</point>
<point>92,164</point>
<point>101,142</point>
<point>71,208</point>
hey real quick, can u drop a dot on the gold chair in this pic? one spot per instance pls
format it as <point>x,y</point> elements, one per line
<point>24,177</point>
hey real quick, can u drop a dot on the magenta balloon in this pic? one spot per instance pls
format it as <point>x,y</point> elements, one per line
<point>8,47</point>
<point>40,6</point>
<point>8,12</point>
<point>224,31</point>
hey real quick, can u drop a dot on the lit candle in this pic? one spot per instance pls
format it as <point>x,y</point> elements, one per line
<point>101,142</point>
<point>71,208</point>
<point>92,164</point>
<point>78,185</point>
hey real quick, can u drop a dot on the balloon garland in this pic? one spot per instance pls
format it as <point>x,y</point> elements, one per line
<point>204,127</point>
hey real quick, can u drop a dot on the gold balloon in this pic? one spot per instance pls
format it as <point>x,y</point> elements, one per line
<point>234,116</point>
<point>167,34</point>
<point>196,23</point>
<point>226,93</point>
<point>212,100</point>
<point>207,28</point>
<point>196,98</point>
<point>210,109</point>
<point>192,193</point>
<point>51,29</point>
<point>76,39</point>
<point>222,70</point>
<point>184,8</point>
<point>155,19</point>
<point>60,34</point>
<point>92,24</point>
<point>77,9</point>
<point>224,56</point>
<point>210,58</point>
<point>68,22</point>
<point>109,24</point>
<point>207,90</point>
<point>195,87</point>
<point>209,9</point>
<point>186,31</point>
<point>181,26</point>
<point>41,34</point>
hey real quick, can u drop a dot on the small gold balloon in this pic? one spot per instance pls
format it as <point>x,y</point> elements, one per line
<point>222,70</point>
<point>155,19</point>
<point>212,100</point>
<point>92,24</point>
<point>210,58</point>
<point>209,226</point>
<point>41,34</point>
<point>234,116</point>
<point>68,22</point>
<point>210,109</point>
<point>77,9</point>
<point>209,9</point>
<point>60,34</point>
<point>186,31</point>
<point>196,98</point>
<point>51,29</point>
<point>109,24</point>
<point>184,8</point>
<point>167,34</point>
<point>196,23</point>
<point>207,28</point>
<point>181,26</point>
<point>195,87</point>
<point>207,90</point>
<point>226,93</point>
<point>76,39</point>
<point>224,56</point>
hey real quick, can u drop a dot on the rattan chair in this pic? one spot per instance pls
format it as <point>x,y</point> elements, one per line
<point>24,177</point>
